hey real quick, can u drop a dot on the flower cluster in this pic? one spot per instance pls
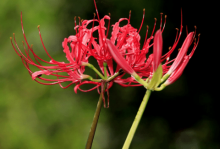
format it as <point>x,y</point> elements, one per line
<point>123,47</point>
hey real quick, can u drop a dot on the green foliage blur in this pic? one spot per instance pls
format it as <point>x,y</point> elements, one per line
<point>35,116</point>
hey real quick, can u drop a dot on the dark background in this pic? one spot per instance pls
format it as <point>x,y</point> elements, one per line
<point>182,116</point>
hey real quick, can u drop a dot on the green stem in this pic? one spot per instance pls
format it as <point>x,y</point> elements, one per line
<point>94,123</point>
<point>141,81</point>
<point>105,70</point>
<point>136,120</point>
<point>93,68</point>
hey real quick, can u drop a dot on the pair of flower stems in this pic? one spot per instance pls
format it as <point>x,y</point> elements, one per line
<point>98,110</point>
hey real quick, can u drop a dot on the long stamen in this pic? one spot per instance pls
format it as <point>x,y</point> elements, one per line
<point>79,20</point>
<point>142,20</point>
<point>195,32</point>
<point>90,42</point>
<point>75,24</point>
<point>108,25</point>
<point>146,36</point>
<point>96,10</point>
<point>27,42</point>
<point>194,35</point>
<point>154,26</point>
<point>14,47</point>
<point>177,39</point>
<point>129,17</point>
<point>194,48</point>
<point>23,32</point>
<point>161,19</point>
<point>43,43</point>
<point>164,23</point>
<point>79,26</point>
<point>177,30</point>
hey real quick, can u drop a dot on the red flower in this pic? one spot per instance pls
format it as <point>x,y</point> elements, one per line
<point>129,56</point>
<point>74,69</point>
<point>127,53</point>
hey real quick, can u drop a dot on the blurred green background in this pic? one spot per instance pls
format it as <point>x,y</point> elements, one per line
<point>34,116</point>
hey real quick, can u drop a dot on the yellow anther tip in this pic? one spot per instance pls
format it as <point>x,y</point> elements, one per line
<point>109,14</point>
<point>144,9</point>
<point>195,27</point>
<point>130,11</point>
<point>161,13</point>
<point>177,29</point>
<point>165,16</point>
<point>38,26</point>
<point>13,34</point>
<point>11,38</point>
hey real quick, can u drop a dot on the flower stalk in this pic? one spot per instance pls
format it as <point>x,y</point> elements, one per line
<point>95,121</point>
<point>136,120</point>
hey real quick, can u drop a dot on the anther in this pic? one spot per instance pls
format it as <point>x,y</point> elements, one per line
<point>109,14</point>
<point>129,16</point>
<point>11,38</point>
<point>155,19</point>
<point>177,29</point>
<point>195,27</point>
<point>179,49</point>
<point>142,20</point>
<point>169,48</point>
<point>75,18</point>
<point>38,26</point>
<point>94,14</point>
<point>165,16</point>
<point>161,14</point>
<point>198,34</point>
<point>147,27</point>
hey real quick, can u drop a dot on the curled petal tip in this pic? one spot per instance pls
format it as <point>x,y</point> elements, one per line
<point>39,73</point>
<point>76,88</point>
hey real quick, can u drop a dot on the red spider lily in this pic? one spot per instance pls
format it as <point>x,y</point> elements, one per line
<point>133,59</point>
<point>123,46</point>
<point>74,69</point>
